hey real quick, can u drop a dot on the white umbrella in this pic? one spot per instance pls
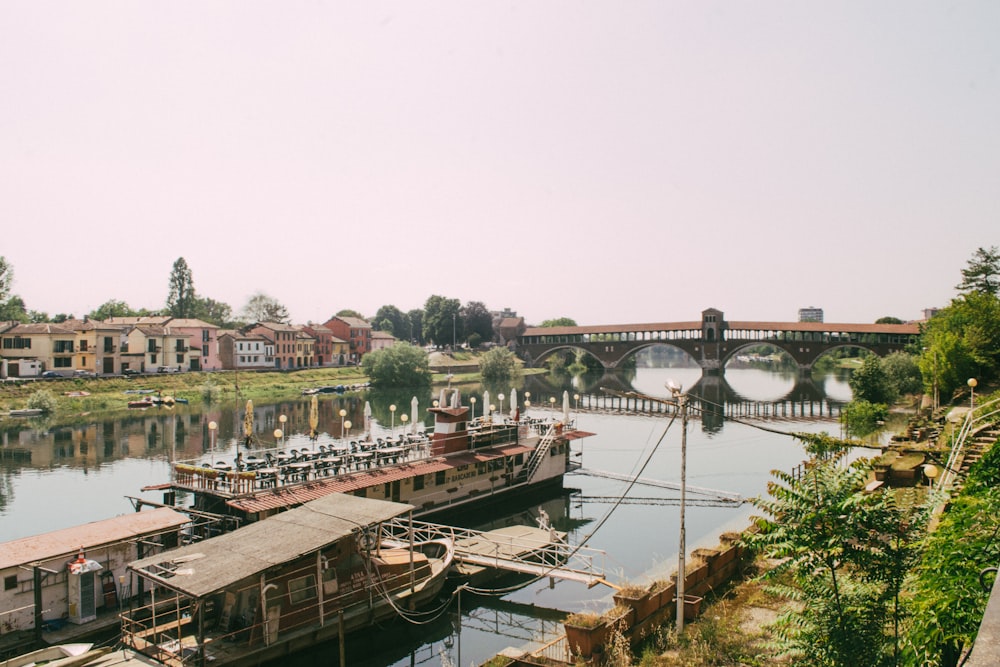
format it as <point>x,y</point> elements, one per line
<point>486,404</point>
<point>566,407</point>
<point>513,403</point>
<point>413,414</point>
<point>368,418</point>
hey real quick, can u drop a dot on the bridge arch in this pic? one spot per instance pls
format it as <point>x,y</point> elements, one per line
<point>713,341</point>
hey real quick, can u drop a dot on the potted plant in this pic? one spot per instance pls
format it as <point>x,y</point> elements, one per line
<point>637,598</point>
<point>586,633</point>
<point>692,607</point>
<point>663,591</point>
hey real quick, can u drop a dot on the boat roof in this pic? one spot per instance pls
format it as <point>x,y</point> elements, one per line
<point>271,499</point>
<point>93,535</point>
<point>204,567</point>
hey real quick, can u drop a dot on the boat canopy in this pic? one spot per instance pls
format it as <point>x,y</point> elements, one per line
<point>202,568</point>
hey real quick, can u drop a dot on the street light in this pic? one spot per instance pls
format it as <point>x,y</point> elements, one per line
<point>277,436</point>
<point>972,392</point>
<point>343,413</point>
<point>392,419</point>
<point>472,402</point>
<point>500,398</point>
<point>347,425</point>
<point>211,438</point>
<point>552,402</point>
<point>931,472</point>
<point>576,397</point>
<point>682,405</point>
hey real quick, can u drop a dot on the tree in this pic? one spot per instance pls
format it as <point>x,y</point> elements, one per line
<point>402,365</point>
<point>112,308</point>
<point>415,319</point>
<point>477,320</point>
<point>263,308</point>
<point>13,309</point>
<point>960,342</point>
<point>559,322</point>
<point>982,273</point>
<point>441,322</point>
<point>214,312</point>
<point>870,382</point>
<point>181,298</point>
<point>392,320</point>
<point>888,320</point>
<point>6,278</point>
<point>497,364</point>
<point>903,373</point>
<point>347,312</point>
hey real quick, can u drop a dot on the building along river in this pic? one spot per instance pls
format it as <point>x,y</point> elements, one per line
<point>84,472</point>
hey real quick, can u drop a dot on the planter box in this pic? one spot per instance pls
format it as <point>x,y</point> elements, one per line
<point>642,606</point>
<point>692,607</point>
<point>584,642</point>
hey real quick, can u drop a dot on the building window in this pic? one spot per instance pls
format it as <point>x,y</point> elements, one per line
<point>10,582</point>
<point>418,482</point>
<point>439,477</point>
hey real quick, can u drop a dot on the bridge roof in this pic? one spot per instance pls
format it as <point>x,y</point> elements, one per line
<point>899,329</point>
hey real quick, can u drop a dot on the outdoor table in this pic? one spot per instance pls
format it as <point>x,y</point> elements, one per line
<point>267,476</point>
<point>364,458</point>
<point>300,469</point>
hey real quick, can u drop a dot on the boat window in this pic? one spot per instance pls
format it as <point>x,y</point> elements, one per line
<point>439,477</point>
<point>302,589</point>
<point>418,482</point>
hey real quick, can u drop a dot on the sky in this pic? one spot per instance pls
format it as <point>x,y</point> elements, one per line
<point>613,162</point>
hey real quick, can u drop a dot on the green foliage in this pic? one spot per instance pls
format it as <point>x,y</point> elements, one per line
<point>888,320</point>
<point>262,308</point>
<point>347,312</point>
<point>181,296</point>
<point>559,322</point>
<point>210,391</point>
<point>846,553</point>
<point>871,383</point>
<point>393,320</point>
<point>497,364</point>
<point>903,373</point>
<point>43,400</point>
<point>960,342</point>
<point>402,365</point>
<point>416,332</point>
<point>947,599</point>
<point>112,308</point>
<point>863,417</point>
<point>441,322</point>
<point>982,274</point>
<point>214,312</point>
<point>476,319</point>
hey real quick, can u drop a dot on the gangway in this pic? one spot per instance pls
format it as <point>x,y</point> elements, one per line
<point>726,496</point>
<point>526,551</point>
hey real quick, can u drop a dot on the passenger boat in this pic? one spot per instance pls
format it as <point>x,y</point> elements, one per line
<point>59,655</point>
<point>307,575</point>
<point>460,464</point>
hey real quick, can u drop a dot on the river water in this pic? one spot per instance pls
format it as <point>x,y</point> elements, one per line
<point>84,472</point>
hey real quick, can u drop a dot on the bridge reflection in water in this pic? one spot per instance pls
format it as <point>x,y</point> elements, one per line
<point>712,400</point>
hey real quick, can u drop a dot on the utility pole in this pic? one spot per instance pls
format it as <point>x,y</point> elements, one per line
<point>682,405</point>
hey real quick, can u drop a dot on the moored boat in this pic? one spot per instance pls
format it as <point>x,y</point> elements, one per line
<point>307,575</point>
<point>460,464</point>
<point>59,655</point>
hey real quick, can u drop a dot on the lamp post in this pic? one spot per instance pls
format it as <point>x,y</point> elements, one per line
<point>283,419</point>
<point>343,413</point>
<point>500,398</point>
<point>527,396</point>
<point>277,436</point>
<point>472,402</point>
<point>211,438</point>
<point>347,425</point>
<point>931,472</point>
<point>972,392</point>
<point>576,399</point>
<point>552,402</point>
<point>392,419</point>
<point>682,405</point>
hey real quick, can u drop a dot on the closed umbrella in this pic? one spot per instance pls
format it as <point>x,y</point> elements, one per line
<point>486,404</point>
<point>514,412</point>
<point>566,407</point>
<point>413,414</point>
<point>368,420</point>
<point>313,417</point>
<point>248,424</point>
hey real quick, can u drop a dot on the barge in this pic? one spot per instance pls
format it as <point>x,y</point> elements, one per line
<point>459,465</point>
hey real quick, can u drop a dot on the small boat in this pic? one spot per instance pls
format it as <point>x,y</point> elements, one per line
<point>59,655</point>
<point>76,394</point>
<point>146,402</point>
<point>284,583</point>
<point>25,412</point>
<point>327,389</point>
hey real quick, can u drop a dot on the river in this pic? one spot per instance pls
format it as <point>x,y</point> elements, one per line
<point>83,472</point>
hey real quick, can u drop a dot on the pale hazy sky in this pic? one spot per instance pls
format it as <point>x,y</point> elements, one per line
<point>615,161</point>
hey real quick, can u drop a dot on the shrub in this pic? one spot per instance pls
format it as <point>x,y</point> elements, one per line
<point>42,400</point>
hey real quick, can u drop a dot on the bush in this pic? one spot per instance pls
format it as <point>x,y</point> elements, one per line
<point>498,364</point>
<point>42,400</point>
